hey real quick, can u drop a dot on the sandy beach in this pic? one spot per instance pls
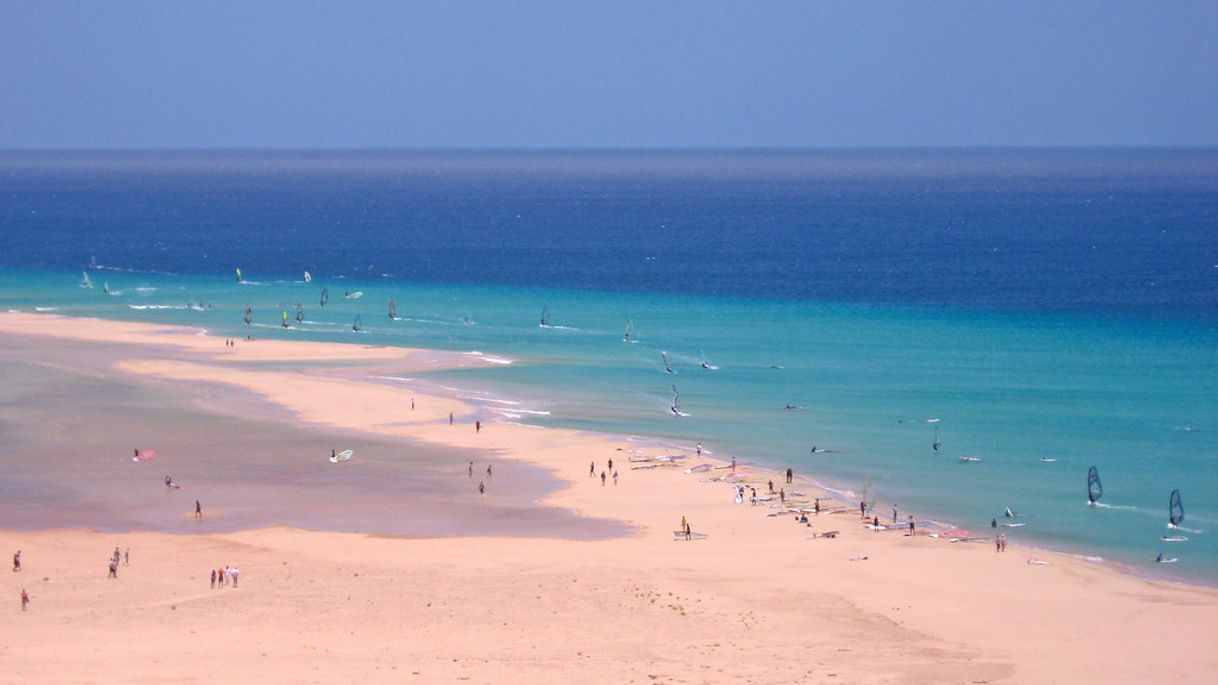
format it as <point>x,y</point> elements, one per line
<point>577,580</point>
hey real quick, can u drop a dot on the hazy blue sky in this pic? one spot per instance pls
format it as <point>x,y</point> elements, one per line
<point>442,74</point>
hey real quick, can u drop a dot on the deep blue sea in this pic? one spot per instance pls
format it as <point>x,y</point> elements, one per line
<point>1047,304</point>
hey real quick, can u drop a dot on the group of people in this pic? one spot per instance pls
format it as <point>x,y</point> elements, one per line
<point>224,576</point>
<point>1000,543</point>
<point>604,474</point>
<point>115,559</point>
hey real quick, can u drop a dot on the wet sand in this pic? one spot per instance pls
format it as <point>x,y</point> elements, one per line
<point>73,423</point>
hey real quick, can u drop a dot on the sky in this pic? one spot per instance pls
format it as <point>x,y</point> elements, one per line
<point>621,74</point>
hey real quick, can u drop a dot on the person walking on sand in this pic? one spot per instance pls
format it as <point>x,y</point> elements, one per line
<point>17,561</point>
<point>875,524</point>
<point>816,506</point>
<point>615,477</point>
<point>699,450</point>
<point>782,495</point>
<point>477,426</point>
<point>610,464</point>
<point>591,469</point>
<point>684,524</point>
<point>911,525</point>
<point>198,510</point>
<point>488,472</point>
<point>213,579</point>
<point>997,543</point>
<point>25,599</point>
<point>771,484</point>
<point>733,464</point>
<point>602,479</point>
<point>450,418</point>
<point>894,513</point>
<point>790,476</point>
<point>235,574</point>
<point>471,469</point>
<point>113,569</point>
<point>481,487</point>
<point>863,508</point>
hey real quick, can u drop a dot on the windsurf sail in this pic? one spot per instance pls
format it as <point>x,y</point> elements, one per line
<point>629,330</point>
<point>667,364</point>
<point>357,324</point>
<point>393,309</point>
<point>545,316</point>
<point>299,313</point>
<point>85,282</point>
<point>240,276</point>
<point>1175,509</point>
<point>937,443</point>
<point>1095,489</point>
<point>325,296</point>
<point>285,318</point>
<point>676,402</point>
<point>249,315</point>
<point>308,277</point>
<point>106,287</point>
<point>706,362</point>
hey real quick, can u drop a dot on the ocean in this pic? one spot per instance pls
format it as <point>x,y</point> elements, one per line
<point>1043,311</point>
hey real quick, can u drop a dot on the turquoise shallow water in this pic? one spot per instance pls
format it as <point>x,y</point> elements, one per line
<point>1135,396</point>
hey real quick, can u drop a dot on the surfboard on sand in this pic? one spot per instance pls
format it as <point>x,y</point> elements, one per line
<point>146,455</point>
<point>345,455</point>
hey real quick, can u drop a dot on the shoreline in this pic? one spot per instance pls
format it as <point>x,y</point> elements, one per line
<point>771,579</point>
<point>345,357</point>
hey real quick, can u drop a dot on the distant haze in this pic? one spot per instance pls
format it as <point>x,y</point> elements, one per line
<point>606,75</point>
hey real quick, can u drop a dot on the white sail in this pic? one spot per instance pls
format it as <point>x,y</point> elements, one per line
<point>85,282</point>
<point>629,330</point>
<point>308,277</point>
<point>667,364</point>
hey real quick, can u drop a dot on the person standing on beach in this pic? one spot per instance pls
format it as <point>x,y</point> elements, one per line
<point>488,472</point>
<point>615,477</point>
<point>450,418</point>
<point>198,510</point>
<point>610,464</point>
<point>412,404</point>
<point>997,543</point>
<point>911,525</point>
<point>782,495</point>
<point>771,484</point>
<point>684,524</point>
<point>471,469</point>
<point>602,479</point>
<point>863,508</point>
<point>733,464</point>
<point>213,579</point>
<point>790,475</point>
<point>875,524</point>
<point>591,469</point>
<point>894,513</point>
<point>699,450</point>
<point>25,599</point>
<point>17,561</point>
<point>113,569</point>
<point>481,487</point>
<point>477,426</point>
<point>816,506</point>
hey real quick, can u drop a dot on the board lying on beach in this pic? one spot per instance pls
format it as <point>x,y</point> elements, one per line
<point>345,455</point>
<point>146,455</point>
